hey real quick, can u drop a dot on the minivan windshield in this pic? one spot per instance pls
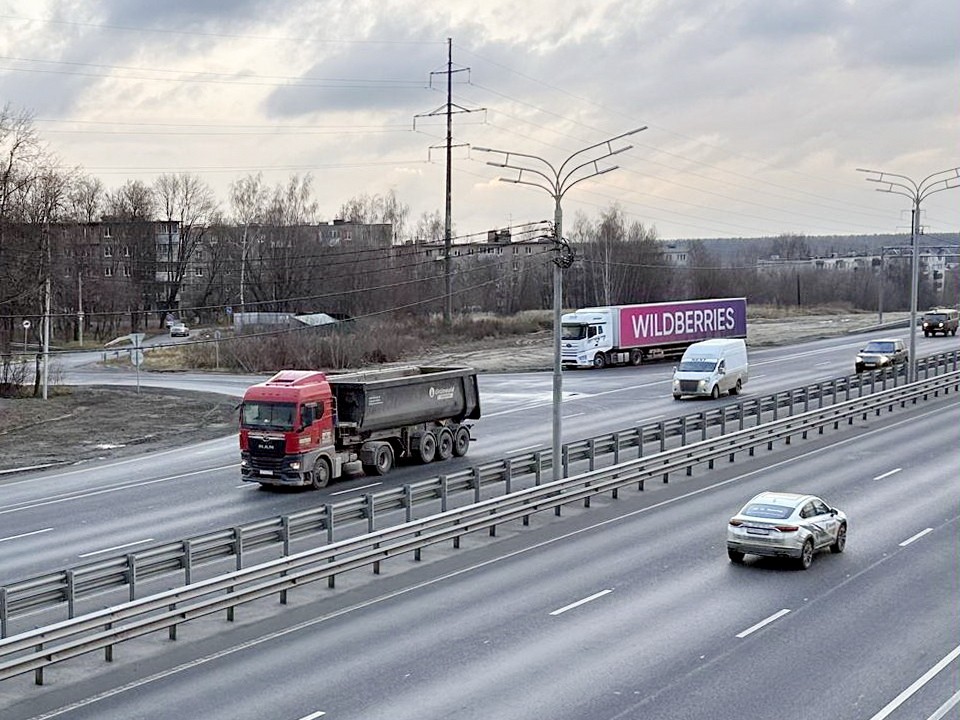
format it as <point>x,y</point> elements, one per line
<point>697,365</point>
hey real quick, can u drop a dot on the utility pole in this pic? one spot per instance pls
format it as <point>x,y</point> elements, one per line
<point>448,110</point>
<point>916,193</point>
<point>556,182</point>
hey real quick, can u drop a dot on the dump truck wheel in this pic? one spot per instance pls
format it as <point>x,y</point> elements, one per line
<point>427,447</point>
<point>444,444</point>
<point>320,477</point>
<point>461,441</point>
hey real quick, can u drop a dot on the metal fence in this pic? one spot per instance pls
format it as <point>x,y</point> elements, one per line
<point>36,649</point>
<point>180,562</point>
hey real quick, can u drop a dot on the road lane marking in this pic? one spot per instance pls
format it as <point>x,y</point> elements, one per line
<point>361,487</point>
<point>79,495</point>
<point>116,547</point>
<point>763,623</point>
<point>567,417</point>
<point>584,601</point>
<point>919,683</point>
<point>946,707</point>
<point>888,474</point>
<point>313,716</point>
<point>528,447</point>
<point>916,537</point>
<point>26,534</point>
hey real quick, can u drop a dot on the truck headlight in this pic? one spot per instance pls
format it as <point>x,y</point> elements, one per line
<point>295,465</point>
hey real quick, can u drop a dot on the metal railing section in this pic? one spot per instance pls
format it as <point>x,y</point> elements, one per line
<point>179,560</point>
<point>36,649</point>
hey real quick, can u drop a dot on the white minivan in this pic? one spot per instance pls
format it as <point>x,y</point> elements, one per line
<point>711,367</point>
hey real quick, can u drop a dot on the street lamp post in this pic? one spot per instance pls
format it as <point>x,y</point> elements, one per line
<point>916,193</point>
<point>557,181</point>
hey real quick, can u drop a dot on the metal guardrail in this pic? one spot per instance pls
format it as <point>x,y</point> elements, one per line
<point>36,649</point>
<point>180,560</point>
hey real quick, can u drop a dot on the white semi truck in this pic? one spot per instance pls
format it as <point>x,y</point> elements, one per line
<point>630,334</point>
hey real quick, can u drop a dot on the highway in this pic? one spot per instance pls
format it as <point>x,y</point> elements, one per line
<point>628,609</point>
<point>58,518</point>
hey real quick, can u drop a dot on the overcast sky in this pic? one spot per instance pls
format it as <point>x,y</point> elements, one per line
<point>758,111</point>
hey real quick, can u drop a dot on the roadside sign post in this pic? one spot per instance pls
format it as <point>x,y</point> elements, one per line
<point>216,347</point>
<point>26,326</point>
<point>136,355</point>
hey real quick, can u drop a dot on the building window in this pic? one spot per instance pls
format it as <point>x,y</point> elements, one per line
<point>126,251</point>
<point>108,272</point>
<point>106,232</point>
<point>126,271</point>
<point>198,272</point>
<point>108,251</point>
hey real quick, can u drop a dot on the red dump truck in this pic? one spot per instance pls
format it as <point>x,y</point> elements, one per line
<point>302,427</point>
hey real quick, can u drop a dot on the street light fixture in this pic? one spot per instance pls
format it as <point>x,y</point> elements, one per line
<point>556,182</point>
<point>916,193</point>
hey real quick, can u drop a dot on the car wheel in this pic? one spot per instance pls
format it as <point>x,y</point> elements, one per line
<point>636,357</point>
<point>735,556</point>
<point>320,477</point>
<point>735,390</point>
<point>715,393</point>
<point>461,441</point>
<point>841,540</point>
<point>599,361</point>
<point>806,555</point>
<point>383,459</point>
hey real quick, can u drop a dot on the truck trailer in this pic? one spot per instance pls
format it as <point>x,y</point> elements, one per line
<point>302,427</point>
<point>631,334</point>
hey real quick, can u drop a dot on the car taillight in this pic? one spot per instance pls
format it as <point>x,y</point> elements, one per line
<point>787,528</point>
<point>736,523</point>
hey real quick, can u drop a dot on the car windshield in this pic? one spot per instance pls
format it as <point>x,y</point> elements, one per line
<point>573,332</point>
<point>697,365</point>
<point>765,510</point>
<point>267,415</point>
<point>935,317</point>
<point>879,347</point>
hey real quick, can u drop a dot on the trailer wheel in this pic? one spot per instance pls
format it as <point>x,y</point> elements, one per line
<point>426,447</point>
<point>461,441</point>
<point>444,444</point>
<point>636,357</point>
<point>599,361</point>
<point>320,477</point>
<point>382,460</point>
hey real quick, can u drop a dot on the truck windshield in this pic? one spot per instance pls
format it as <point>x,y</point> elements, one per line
<point>697,365</point>
<point>573,332</point>
<point>267,415</point>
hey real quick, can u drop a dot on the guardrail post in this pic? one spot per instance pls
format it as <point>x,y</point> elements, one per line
<point>38,673</point>
<point>538,473</point>
<point>683,430</point>
<point>108,650</point>
<point>640,434</point>
<point>723,421</point>
<point>616,448</point>
<point>662,427</point>
<point>703,425</point>
<point>408,502</point>
<point>508,476</point>
<point>565,460</point>
<point>285,533</point>
<point>476,483</point>
<point>3,612</point>
<point>172,630</point>
<point>592,454</point>
<point>71,593</point>
<point>370,511</point>
<point>238,545</point>
<point>328,521</point>
<point>444,493</point>
<point>187,561</point>
<point>776,406</point>
<point>132,575</point>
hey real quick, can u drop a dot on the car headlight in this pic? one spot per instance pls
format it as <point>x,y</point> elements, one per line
<point>859,358</point>
<point>702,384</point>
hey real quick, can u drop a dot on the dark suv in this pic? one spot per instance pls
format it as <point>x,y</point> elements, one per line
<point>940,320</point>
<point>881,353</point>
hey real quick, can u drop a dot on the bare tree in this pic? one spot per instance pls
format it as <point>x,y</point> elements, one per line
<point>188,201</point>
<point>132,201</point>
<point>85,199</point>
<point>378,209</point>
<point>248,199</point>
